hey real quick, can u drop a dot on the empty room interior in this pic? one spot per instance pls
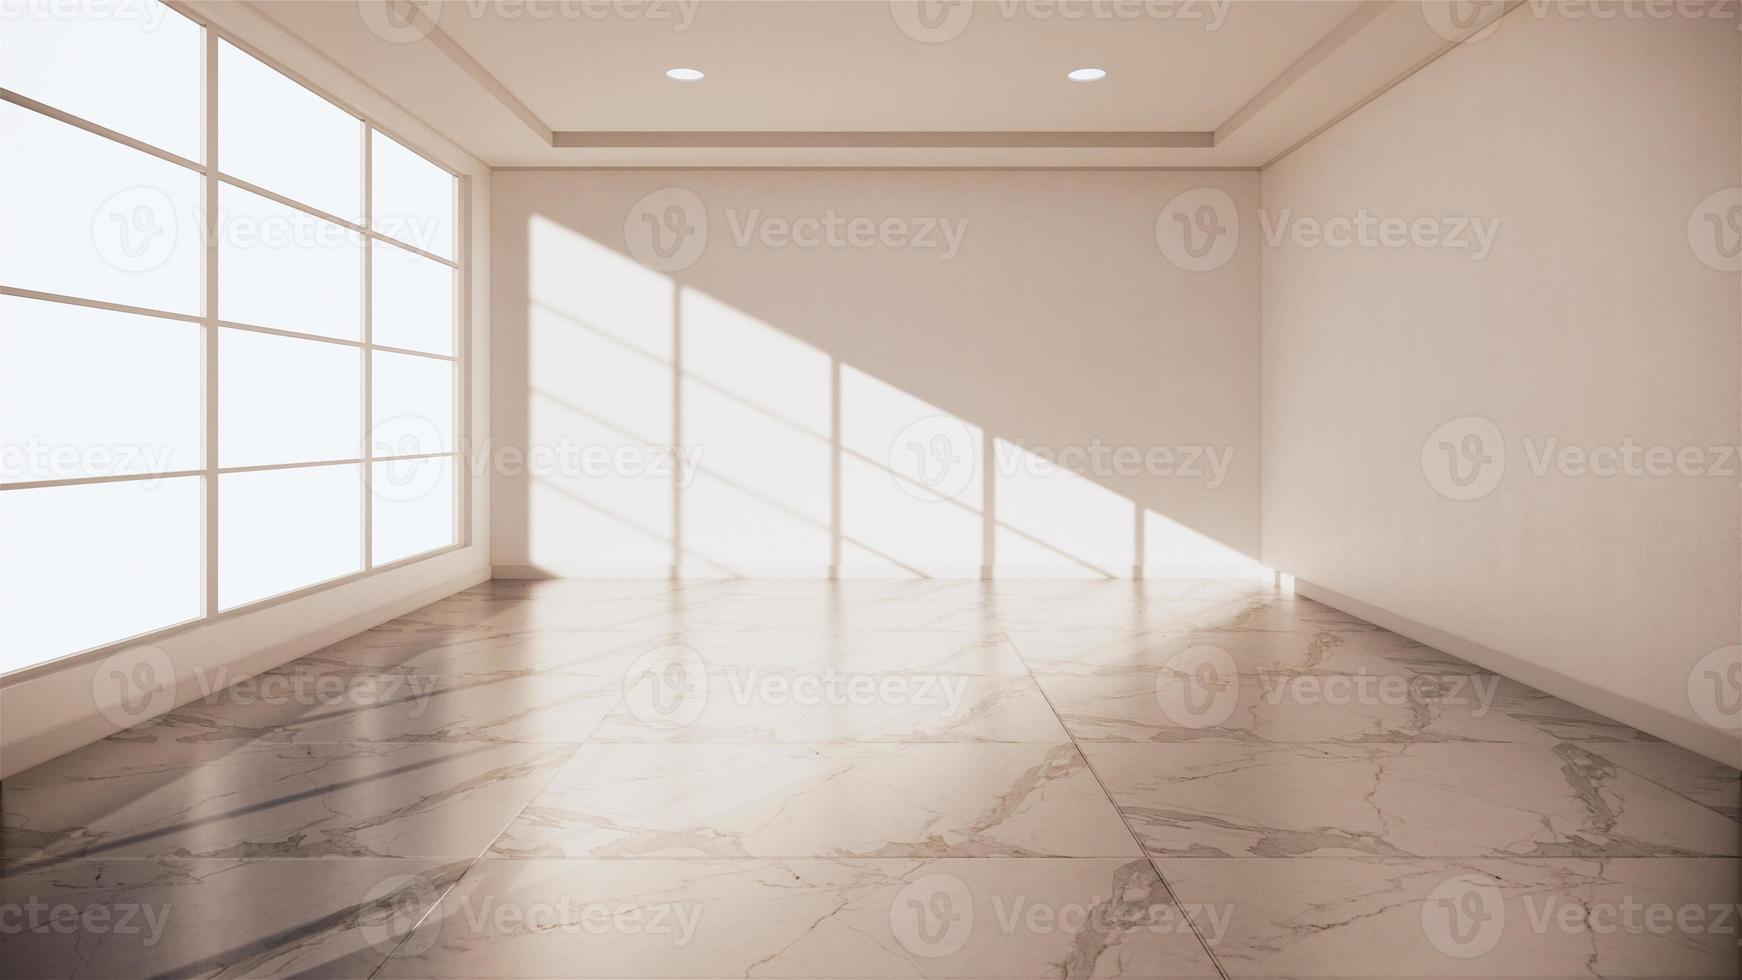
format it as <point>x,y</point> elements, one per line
<point>1016,489</point>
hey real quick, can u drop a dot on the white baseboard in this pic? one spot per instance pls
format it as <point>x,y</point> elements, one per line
<point>850,571</point>
<point>1684,732</point>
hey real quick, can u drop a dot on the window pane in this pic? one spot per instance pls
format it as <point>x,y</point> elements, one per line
<point>281,530</point>
<point>284,400</point>
<point>70,56</point>
<point>276,134</point>
<point>88,217</point>
<point>284,268</point>
<point>413,401</point>
<point>411,199</point>
<point>87,565</point>
<point>413,501</point>
<point>412,301</point>
<point>88,392</point>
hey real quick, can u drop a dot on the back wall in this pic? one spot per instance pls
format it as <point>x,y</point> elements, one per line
<point>876,372</point>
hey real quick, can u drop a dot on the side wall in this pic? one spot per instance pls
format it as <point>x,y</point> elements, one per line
<point>868,372</point>
<point>1439,418</point>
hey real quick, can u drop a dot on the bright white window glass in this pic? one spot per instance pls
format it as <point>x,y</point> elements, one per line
<point>276,134</point>
<point>85,216</point>
<point>129,65</point>
<point>87,392</point>
<point>283,268</point>
<point>282,530</point>
<point>413,402</point>
<point>286,400</point>
<point>411,199</point>
<point>413,507</point>
<point>87,565</point>
<point>412,300</point>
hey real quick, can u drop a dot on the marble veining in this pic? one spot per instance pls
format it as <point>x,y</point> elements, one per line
<point>1020,779</point>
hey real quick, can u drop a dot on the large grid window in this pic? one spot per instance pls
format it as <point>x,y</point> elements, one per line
<point>230,350</point>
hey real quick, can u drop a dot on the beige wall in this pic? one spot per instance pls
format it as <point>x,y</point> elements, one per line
<point>1592,321</point>
<point>815,377</point>
<point>45,713</point>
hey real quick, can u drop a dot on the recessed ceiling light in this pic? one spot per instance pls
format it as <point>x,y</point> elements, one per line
<point>1087,75</point>
<point>685,74</point>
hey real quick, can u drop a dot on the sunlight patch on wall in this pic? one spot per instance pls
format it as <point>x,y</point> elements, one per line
<point>911,484</point>
<point>756,416</point>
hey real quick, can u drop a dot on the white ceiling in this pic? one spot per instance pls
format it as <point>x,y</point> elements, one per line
<point>847,65</point>
<point>872,83</point>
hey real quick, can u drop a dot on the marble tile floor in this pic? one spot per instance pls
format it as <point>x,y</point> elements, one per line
<point>867,779</point>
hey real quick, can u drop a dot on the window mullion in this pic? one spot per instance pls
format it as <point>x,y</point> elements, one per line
<point>368,420</point>
<point>209,220</point>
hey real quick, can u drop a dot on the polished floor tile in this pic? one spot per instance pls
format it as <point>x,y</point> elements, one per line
<point>214,917</point>
<point>1408,918</point>
<point>1186,706</point>
<point>1418,800</point>
<point>760,705</point>
<point>916,799</point>
<point>266,799</point>
<point>948,917</point>
<point>1693,776</point>
<point>874,778</point>
<point>298,706</point>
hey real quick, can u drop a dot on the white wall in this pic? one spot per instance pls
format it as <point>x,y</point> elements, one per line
<point>1592,321</point>
<point>1055,321</point>
<point>44,713</point>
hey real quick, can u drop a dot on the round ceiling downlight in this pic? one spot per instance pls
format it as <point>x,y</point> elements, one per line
<point>683,74</point>
<point>1087,75</point>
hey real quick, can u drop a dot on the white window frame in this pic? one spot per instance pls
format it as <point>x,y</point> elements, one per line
<point>212,177</point>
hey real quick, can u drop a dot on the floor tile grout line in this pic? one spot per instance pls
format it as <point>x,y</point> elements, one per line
<point>1595,748</point>
<point>555,771</point>
<point>1142,849</point>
